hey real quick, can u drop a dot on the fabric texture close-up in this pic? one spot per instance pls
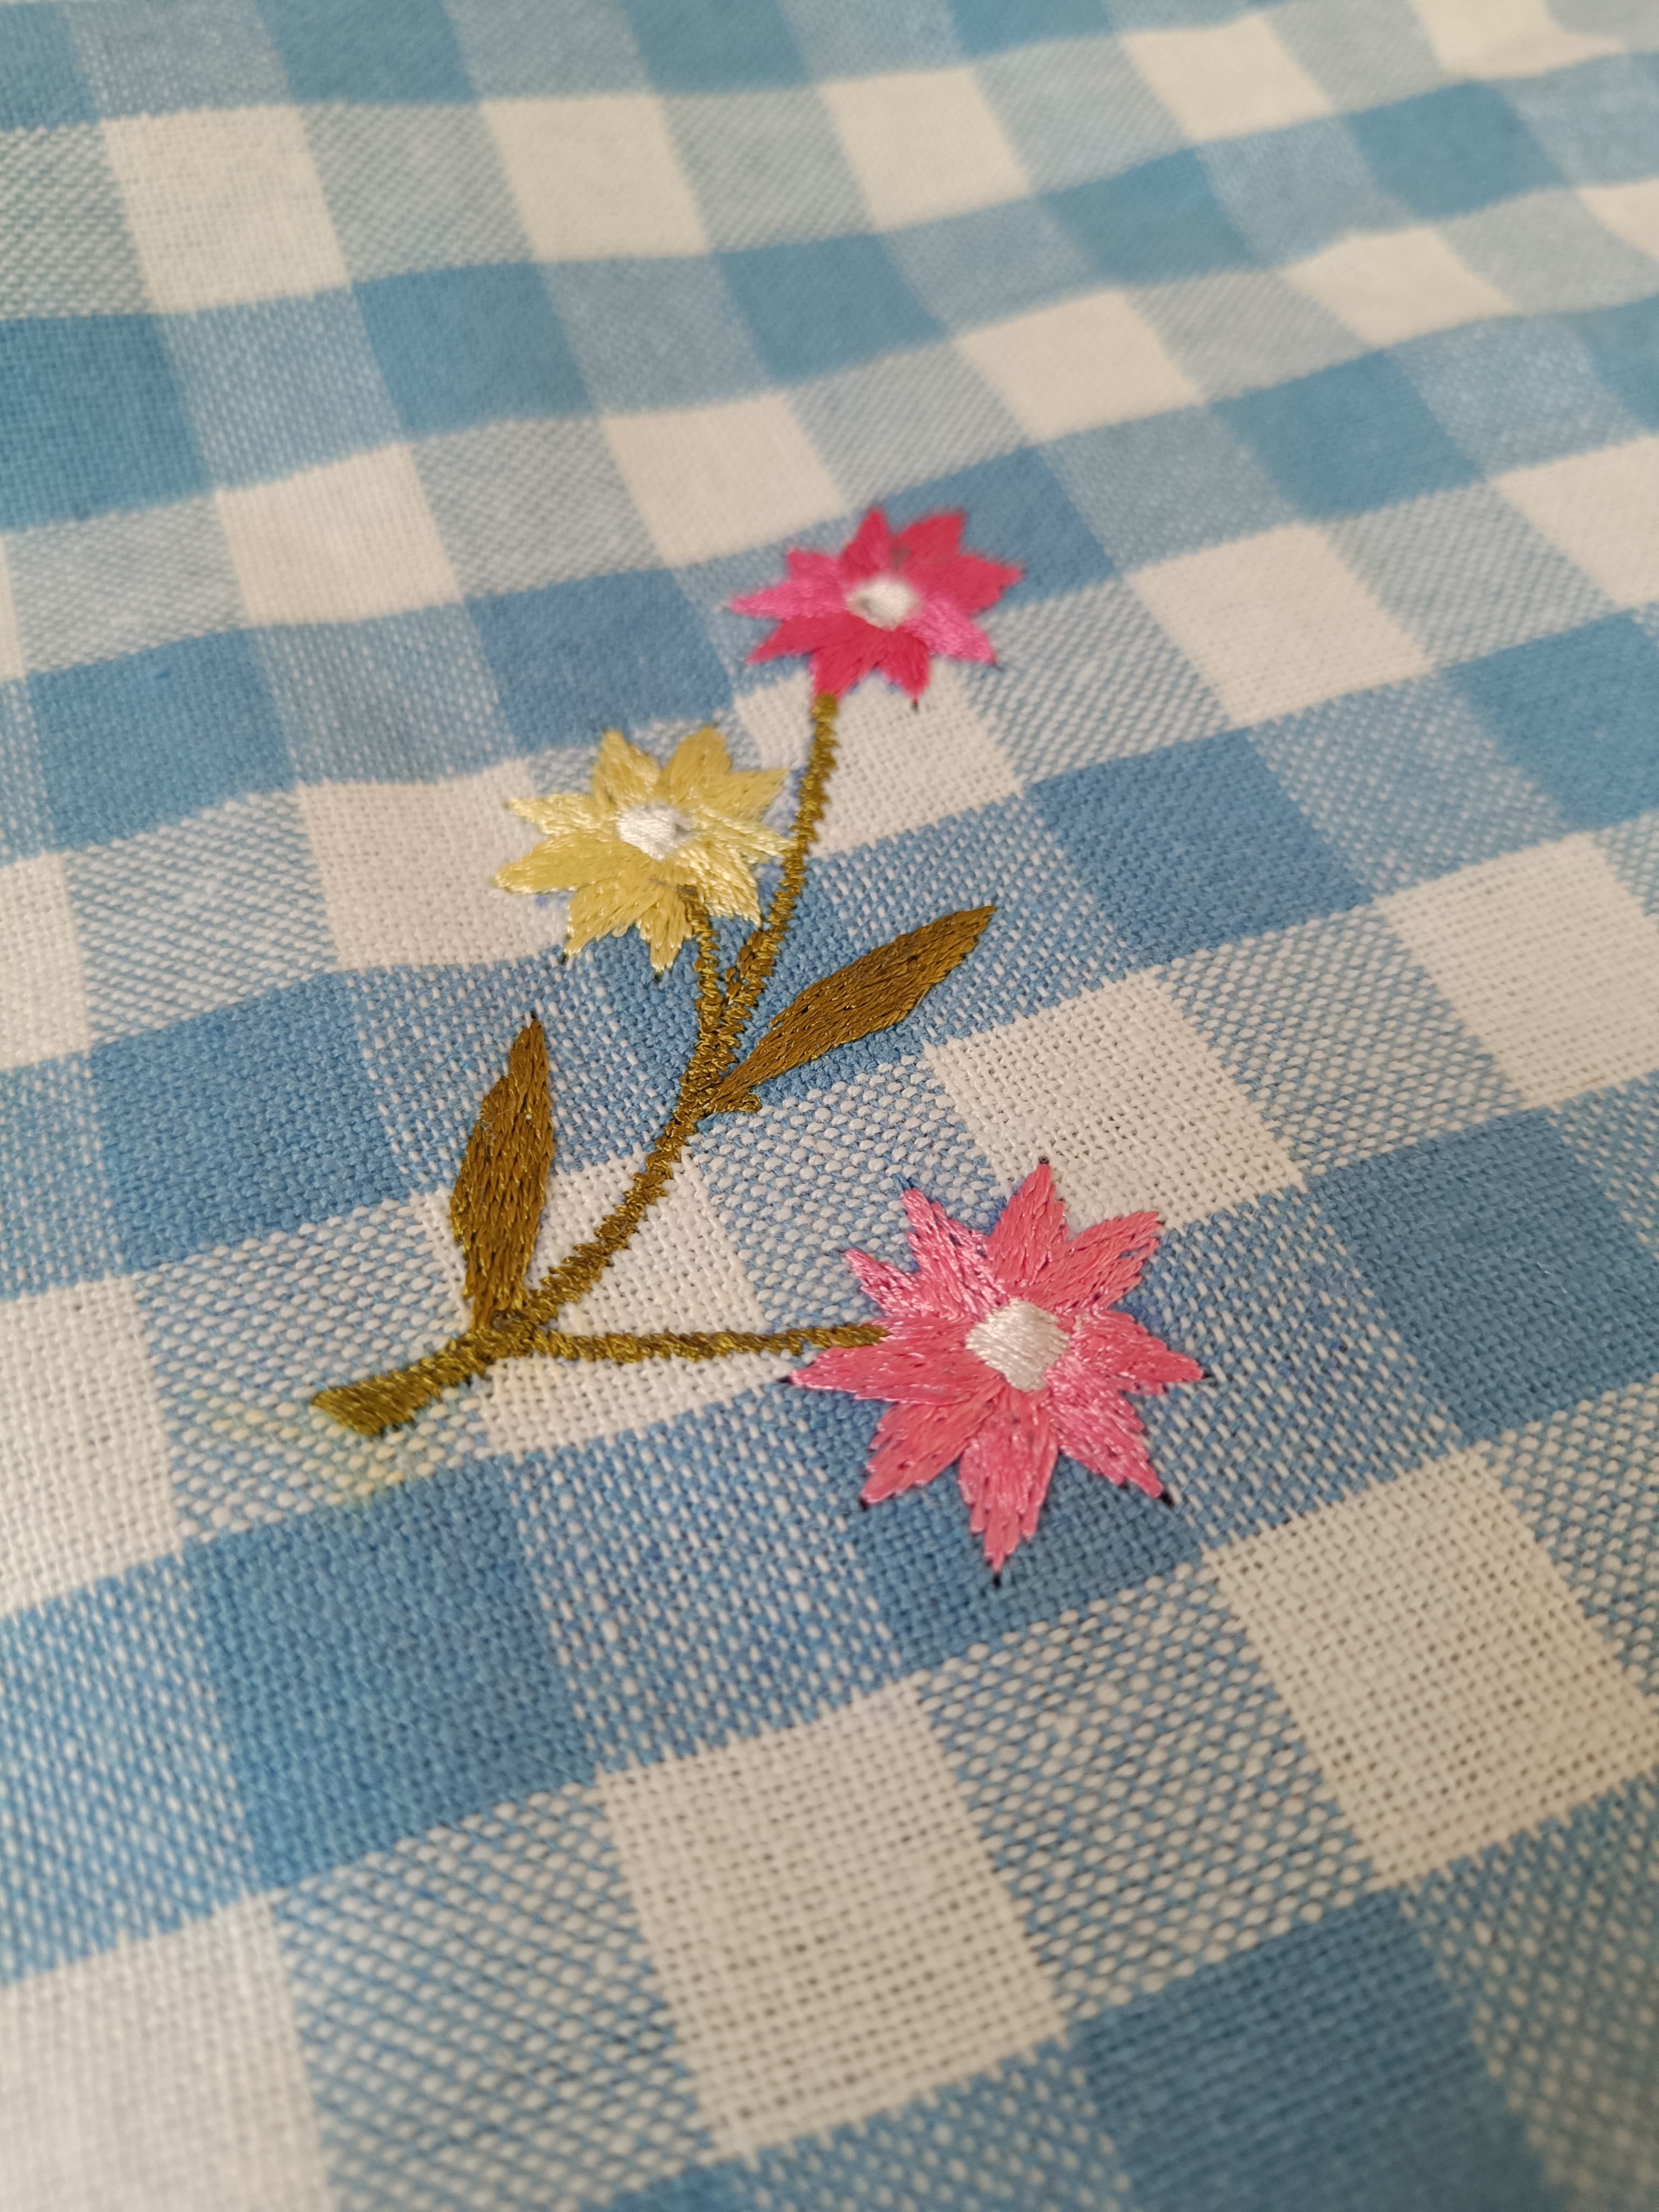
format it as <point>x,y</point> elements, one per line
<point>829,1106</point>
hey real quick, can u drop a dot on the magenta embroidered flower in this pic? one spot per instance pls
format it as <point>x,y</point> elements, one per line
<point>889,600</point>
<point>1003,1351</point>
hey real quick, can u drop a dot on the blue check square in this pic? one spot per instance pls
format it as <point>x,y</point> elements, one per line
<point>605,652</point>
<point>1348,439</point>
<point>458,346</point>
<point>1153,224</point>
<point>1578,714</point>
<point>1450,152</point>
<point>1237,2088</point>
<point>119,1813</point>
<point>381,1668</point>
<point>715,45</point>
<point>55,1222</point>
<point>1510,1279</point>
<point>367,50</point>
<point>825,305</point>
<point>1192,845</point>
<point>128,744</point>
<point>94,418</point>
<point>257,1116</point>
<point>41,83</point>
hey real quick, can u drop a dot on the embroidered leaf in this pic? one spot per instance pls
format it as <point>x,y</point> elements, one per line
<point>496,1206</point>
<point>871,993</point>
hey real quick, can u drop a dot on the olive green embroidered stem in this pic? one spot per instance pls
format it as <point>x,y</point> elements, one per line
<point>748,977</point>
<point>382,1401</point>
<point>622,1347</point>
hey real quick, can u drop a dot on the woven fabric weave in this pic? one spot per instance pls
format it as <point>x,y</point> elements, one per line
<point>573,1799</point>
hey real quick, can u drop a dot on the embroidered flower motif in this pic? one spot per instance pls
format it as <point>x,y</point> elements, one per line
<point>1003,1351</point>
<point>889,600</point>
<point>646,833</point>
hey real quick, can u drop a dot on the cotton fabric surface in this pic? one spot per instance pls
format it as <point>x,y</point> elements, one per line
<point>574,1799</point>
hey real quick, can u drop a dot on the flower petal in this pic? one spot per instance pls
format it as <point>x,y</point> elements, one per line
<point>942,628</point>
<point>804,633</point>
<point>739,832</point>
<point>1006,1469</point>
<point>564,863</point>
<point>971,581</point>
<point>952,1257</point>
<point>902,657</point>
<point>606,909</point>
<point>623,775</point>
<point>561,813</point>
<point>1101,1264</point>
<point>1098,1427</point>
<point>931,537</point>
<point>917,1363</point>
<point>665,924</point>
<point>895,1291</point>
<point>819,567</point>
<point>1029,1234</point>
<point>868,551</point>
<point>914,1443</point>
<point>807,591</point>
<point>695,761</point>
<point>1115,1348</point>
<point>846,658</point>
<point>742,795</point>
<point>721,878</point>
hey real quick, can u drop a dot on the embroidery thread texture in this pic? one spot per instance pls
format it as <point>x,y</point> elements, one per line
<point>495,1207</point>
<point>1000,1350</point>
<point>888,601</point>
<point>650,843</point>
<point>491,1205</point>
<point>1003,1351</point>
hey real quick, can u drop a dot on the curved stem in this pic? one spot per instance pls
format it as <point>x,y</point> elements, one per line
<point>719,1035</point>
<point>382,1401</point>
<point>748,977</point>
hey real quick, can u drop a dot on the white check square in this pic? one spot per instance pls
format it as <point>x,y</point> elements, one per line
<point>339,543</point>
<point>1446,1682</point>
<point>225,205</point>
<point>712,480</point>
<point>166,2072</point>
<point>1387,286</point>
<point>829,1932</point>
<point>84,1485</point>
<point>596,178</point>
<point>1550,962</point>
<point>1277,622</point>
<point>1598,508</point>
<point>407,870</point>
<point>1075,367</point>
<point>923,143</point>
<point>1628,212</point>
<point>899,769</point>
<point>43,1000</point>
<point>1226,79</point>
<point>1125,1100</point>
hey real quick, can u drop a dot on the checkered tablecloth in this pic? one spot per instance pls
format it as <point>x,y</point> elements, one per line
<point>574,1799</point>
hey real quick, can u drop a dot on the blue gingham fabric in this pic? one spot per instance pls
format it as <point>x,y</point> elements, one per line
<point>574,1799</point>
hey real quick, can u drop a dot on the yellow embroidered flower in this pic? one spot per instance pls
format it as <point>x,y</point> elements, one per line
<point>644,835</point>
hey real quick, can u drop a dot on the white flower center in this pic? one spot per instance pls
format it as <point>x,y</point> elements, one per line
<point>655,827</point>
<point>1020,1340</point>
<point>884,600</point>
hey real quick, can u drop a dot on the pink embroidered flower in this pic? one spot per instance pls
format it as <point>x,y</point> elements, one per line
<point>1003,1351</point>
<point>890,600</point>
